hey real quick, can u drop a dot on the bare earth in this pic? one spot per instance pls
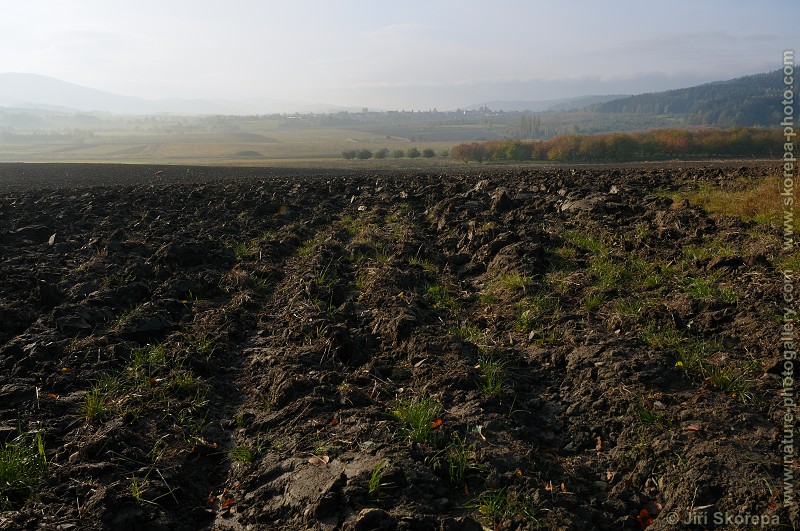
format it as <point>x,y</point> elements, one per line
<point>237,348</point>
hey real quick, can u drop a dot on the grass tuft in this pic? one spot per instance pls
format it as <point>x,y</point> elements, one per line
<point>375,484</point>
<point>496,378</point>
<point>502,505</point>
<point>417,415</point>
<point>22,464</point>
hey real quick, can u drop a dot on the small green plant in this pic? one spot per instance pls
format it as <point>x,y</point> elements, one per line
<point>22,463</point>
<point>440,298</point>
<point>321,332</point>
<point>710,250</point>
<point>513,281</point>
<point>729,380</point>
<point>147,355</point>
<point>376,477</point>
<point>241,454</point>
<point>593,301</point>
<point>427,265</point>
<point>94,405</point>
<point>496,380</point>
<point>662,337</point>
<point>191,298</point>
<point>138,487</point>
<point>204,346</point>
<point>124,317</point>
<point>310,246</point>
<point>593,245</point>
<point>700,288</point>
<point>118,280</point>
<point>563,257</point>
<point>501,505</point>
<point>458,459</point>
<point>629,306</point>
<point>321,446</point>
<point>469,333</point>
<point>607,273</point>
<point>647,415</point>
<point>383,253</point>
<point>244,250</point>
<point>639,232</point>
<point>418,415</point>
<point>324,277</point>
<point>361,280</point>
<point>727,294</point>
<point>788,260</point>
<point>534,309</point>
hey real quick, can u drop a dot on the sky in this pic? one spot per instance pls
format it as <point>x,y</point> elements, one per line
<point>410,54</point>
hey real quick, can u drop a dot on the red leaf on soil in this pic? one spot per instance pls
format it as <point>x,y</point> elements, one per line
<point>152,380</point>
<point>435,423</point>
<point>211,499</point>
<point>227,503</point>
<point>549,486</point>
<point>53,396</point>
<point>691,428</point>
<point>334,421</point>
<point>644,518</point>
<point>563,488</point>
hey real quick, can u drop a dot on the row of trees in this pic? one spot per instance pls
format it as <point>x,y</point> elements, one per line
<point>617,147</point>
<point>383,153</point>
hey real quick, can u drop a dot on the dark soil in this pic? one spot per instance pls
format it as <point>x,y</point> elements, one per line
<point>228,348</point>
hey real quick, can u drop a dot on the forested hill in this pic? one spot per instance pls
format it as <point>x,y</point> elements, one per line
<point>746,101</point>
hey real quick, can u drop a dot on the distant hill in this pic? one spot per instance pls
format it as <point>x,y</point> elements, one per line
<point>43,92</point>
<point>746,101</point>
<point>562,104</point>
<point>33,91</point>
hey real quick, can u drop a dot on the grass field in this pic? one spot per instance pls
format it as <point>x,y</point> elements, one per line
<point>254,142</point>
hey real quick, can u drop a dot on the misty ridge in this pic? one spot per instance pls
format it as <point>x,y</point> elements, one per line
<point>45,119</point>
<point>745,101</point>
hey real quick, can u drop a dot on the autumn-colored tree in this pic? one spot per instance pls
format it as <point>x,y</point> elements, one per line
<point>615,147</point>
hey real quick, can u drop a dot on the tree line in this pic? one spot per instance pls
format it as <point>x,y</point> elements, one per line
<point>383,153</point>
<point>619,147</point>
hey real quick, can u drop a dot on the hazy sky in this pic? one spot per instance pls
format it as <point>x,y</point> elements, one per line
<point>394,55</point>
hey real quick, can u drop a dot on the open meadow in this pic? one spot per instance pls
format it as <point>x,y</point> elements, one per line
<point>237,141</point>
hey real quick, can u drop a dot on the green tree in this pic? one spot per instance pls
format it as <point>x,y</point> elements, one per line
<point>428,153</point>
<point>381,153</point>
<point>413,153</point>
<point>365,154</point>
<point>398,154</point>
<point>349,154</point>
